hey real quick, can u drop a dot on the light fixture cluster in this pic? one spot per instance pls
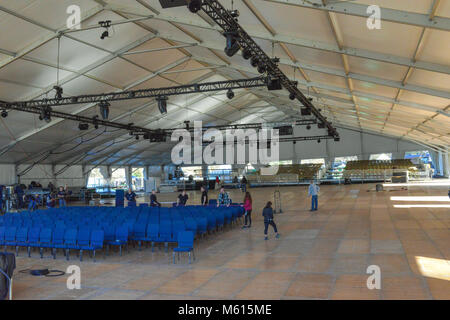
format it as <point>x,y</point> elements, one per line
<point>46,114</point>
<point>105,24</point>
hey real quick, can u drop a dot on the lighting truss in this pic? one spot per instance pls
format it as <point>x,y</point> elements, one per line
<point>228,23</point>
<point>140,94</point>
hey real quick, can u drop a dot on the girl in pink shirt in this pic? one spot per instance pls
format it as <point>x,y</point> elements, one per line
<point>248,210</point>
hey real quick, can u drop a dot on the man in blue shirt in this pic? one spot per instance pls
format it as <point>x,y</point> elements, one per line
<point>131,197</point>
<point>62,196</point>
<point>313,191</point>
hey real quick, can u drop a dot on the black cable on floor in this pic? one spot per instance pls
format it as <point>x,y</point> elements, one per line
<point>43,272</point>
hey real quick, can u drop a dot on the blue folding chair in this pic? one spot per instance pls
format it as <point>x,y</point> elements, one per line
<point>185,244</point>
<point>57,240</point>
<point>83,239</point>
<point>2,236</point>
<point>10,237</point>
<point>45,240</point>
<point>153,234</point>
<point>121,239</point>
<point>33,239</point>
<point>21,239</point>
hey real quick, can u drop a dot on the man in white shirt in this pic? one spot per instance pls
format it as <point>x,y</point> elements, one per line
<point>313,191</point>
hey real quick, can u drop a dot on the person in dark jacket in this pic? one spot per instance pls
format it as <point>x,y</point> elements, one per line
<point>268,220</point>
<point>182,199</point>
<point>153,201</point>
<point>204,199</point>
<point>131,197</point>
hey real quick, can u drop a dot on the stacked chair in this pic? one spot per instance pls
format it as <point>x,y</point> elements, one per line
<point>101,228</point>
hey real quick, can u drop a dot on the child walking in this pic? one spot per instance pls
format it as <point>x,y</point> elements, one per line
<point>268,220</point>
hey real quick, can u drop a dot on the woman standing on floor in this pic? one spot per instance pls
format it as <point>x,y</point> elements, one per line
<point>248,210</point>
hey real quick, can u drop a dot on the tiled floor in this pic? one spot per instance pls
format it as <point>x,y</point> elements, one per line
<point>324,255</point>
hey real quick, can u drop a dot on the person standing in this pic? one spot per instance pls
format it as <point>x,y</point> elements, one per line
<point>244,184</point>
<point>131,197</point>
<point>313,192</point>
<point>182,199</point>
<point>248,210</point>
<point>153,200</point>
<point>62,196</point>
<point>50,200</point>
<point>224,198</point>
<point>204,199</point>
<point>268,220</point>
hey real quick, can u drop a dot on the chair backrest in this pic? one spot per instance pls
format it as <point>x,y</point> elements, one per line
<point>84,236</point>
<point>10,234</point>
<point>22,235</point>
<point>45,235</point>
<point>58,236</point>
<point>97,238</point>
<point>185,239</point>
<point>33,235</point>
<point>122,234</point>
<point>70,237</point>
<point>2,233</point>
<point>153,231</point>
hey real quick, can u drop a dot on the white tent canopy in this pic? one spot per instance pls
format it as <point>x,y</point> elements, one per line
<point>393,81</point>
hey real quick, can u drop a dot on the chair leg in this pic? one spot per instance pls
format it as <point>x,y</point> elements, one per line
<point>120,249</point>
<point>54,253</point>
<point>173,257</point>
<point>167,246</point>
<point>17,251</point>
<point>81,255</point>
<point>94,257</point>
<point>68,255</point>
<point>41,252</point>
<point>153,245</point>
<point>189,257</point>
<point>29,252</point>
<point>139,245</point>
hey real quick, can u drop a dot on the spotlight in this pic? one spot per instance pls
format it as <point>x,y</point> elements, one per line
<point>137,137</point>
<point>59,92</point>
<point>247,53</point>
<point>95,118</point>
<point>230,94</point>
<point>292,96</point>
<point>131,95</point>
<point>104,109</point>
<point>46,114</point>
<point>195,5</point>
<point>4,113</point>
<point>232,44</point>
<point>337,139</point>
<point>74,99</point>
<point>261,67</point>
<point>308,127</point>
<point>83,126</point>
<point>234,13</point>
<point>162,104</point>
<point>320,125</point>
<point>318,140</point>
<point>104,35</point>
<point>187,122</point>
<point>254,62</point>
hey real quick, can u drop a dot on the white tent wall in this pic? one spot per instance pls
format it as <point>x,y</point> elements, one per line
<point>7,174</point>
<point>42,173</point>
<point>72,177</point>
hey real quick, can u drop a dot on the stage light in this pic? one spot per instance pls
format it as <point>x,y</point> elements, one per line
<point>59,92</point>
<point>104,109</point>
<point>104,35</point>
<point>232,44</point>
<point>247,53</point>
<point>4,113</point>
<point>83,126</point>
<point>137,137</point>
<point>46,114</point>
<point>230,94</point>
<point>318,140</point>
<point>261,67</point>
<point>292,96</point>
<point>234,13</point>
<point>337,139</point>
<point>254,62</point>
<point>195,5</point>
<point>308,127</point>
<point>162,104</point>
<point>95,119</point>
<point>321,125</point>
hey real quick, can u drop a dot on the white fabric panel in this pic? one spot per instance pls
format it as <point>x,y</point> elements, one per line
<point>72,177</point>
<point>7,174</point>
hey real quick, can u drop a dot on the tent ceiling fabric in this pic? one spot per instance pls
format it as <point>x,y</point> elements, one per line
<point>393,81</point>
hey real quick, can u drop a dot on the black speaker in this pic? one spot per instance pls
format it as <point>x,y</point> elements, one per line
<point>274,84</point>
<point>306,111</point>
<point>172,3</point>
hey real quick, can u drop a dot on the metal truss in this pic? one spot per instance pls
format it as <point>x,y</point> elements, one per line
<point>228,23</point>
<point>137,94</point>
